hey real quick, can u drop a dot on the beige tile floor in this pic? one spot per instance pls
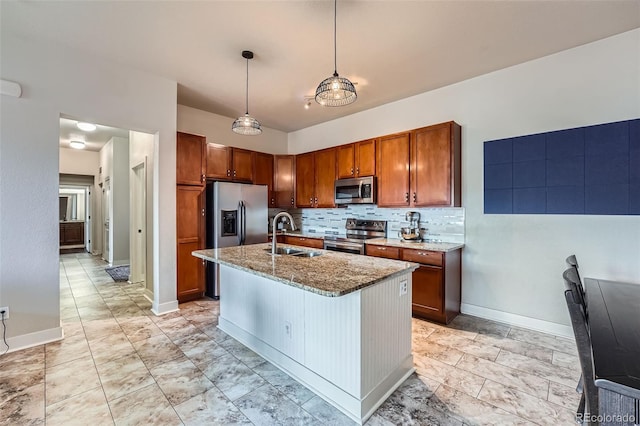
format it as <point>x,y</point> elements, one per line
<point>120,364</point>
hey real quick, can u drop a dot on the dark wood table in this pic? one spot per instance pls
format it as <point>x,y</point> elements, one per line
<point>614,324</point>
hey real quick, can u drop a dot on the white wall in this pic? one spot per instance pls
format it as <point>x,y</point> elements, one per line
<point>513,263</point>
<point>217,129</point>
<point>141,151</point>
<point>58,80</point>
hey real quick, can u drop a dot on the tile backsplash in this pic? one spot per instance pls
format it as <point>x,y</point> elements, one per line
<point>442,224</point>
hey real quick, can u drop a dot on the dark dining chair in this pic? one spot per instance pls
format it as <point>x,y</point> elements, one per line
<point>572,281</point>
<point>588,407</point>
<point>572,261</point>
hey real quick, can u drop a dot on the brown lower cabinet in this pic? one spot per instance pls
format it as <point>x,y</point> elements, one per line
<point>71,233</point>
<point>435,284</point>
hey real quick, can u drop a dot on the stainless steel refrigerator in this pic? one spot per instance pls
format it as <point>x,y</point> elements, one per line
<point>237,214</point>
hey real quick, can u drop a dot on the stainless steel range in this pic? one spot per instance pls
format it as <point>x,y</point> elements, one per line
<point>358,230</point>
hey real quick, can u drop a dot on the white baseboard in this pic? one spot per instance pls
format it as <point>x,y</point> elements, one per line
<point>518,320</point>
<point>164,308</point>
<point>148,294</point>
<point>30,340</point>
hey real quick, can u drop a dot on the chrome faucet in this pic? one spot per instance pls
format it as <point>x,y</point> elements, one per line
<point>273,232</point>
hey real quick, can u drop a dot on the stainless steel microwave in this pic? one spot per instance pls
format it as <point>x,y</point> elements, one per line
<point>360,190</point>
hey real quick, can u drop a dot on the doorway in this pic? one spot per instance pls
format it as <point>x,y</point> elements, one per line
<point>138,186</point>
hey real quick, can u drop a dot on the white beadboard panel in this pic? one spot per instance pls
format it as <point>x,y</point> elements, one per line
<point>263,307</point>
<point>348,404</point>
<point>386,338</point>
<point>332,339</point>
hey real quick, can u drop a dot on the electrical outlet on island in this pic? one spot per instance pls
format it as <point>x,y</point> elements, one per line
<point>403,287</point>
<point>4,312</point>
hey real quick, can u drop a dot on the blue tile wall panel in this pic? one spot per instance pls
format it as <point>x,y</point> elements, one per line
<point>529,174</point>
<point>606,199</point>
<point>498,201</point>
<point>567,171</point>
<point>498,176</point>
<point>607,140</point>
<point>634,198</point>
<point>602,170</point>
<point>565,143</point>
<point>587,170</point>
<point>528,148</point>
<point>497,152</point>
<point>529,200</point>
<point>565,200</point>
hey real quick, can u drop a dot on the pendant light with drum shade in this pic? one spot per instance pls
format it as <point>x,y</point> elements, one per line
<point>247,125</point>
<point>335,90</point>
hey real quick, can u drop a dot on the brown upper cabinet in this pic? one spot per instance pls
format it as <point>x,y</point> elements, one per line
<point>284,180</point>
<point>190,159</point>
<point>315,178</point>
<point>393,170</point>
<point>435,166</point>
<point>420,168</point>
<point>227,163</point>
<point>263,174</point>
<point>357,159</point>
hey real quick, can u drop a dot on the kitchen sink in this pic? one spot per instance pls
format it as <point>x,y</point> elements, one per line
<point>308,254</point>
<point>285,250</point>
<point>295,252</point>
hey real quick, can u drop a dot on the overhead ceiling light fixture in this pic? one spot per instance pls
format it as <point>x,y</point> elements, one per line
<point>335,90</point>
<point>247,125</point>
<point>76,144</point>
<point>87,127</point>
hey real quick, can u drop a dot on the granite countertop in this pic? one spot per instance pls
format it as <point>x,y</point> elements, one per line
<point>433,246</point>
<point>333,274</point>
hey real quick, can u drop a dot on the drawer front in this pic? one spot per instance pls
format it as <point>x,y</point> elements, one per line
<point>304,241</point>
<point>383,251</point>
<point>423,256</point>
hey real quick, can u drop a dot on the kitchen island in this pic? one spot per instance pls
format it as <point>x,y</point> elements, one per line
<point>338,323</point>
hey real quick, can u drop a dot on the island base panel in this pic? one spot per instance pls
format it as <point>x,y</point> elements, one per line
<point>364,336</point>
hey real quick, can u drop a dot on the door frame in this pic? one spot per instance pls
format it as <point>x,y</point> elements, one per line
<point>138,222</point>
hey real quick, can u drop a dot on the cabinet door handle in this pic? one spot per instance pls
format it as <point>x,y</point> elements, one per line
<point>352,171</point>
<point>203,214</point>
<point>203,178</point>
<point>406,197</point>
<point>273,201</point>
<point>383,248</point>
<point>234,173</point>
<point>291,201</point>
<point>204,262</point>
<point>228,172</point>
<point>415,197</point>
<point>357,171</point>
<point>316,201</point>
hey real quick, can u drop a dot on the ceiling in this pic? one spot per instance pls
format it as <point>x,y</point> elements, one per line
<point>392,49</point>
<point>94,141</point>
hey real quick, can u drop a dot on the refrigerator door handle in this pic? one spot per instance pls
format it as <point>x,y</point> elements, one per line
<point>244,223</point>
<point>239,224</point>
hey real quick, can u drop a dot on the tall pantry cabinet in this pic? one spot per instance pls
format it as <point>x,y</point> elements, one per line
<point>190,219</point>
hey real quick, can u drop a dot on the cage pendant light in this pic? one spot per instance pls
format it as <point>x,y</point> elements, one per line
<point>247,125</point>
<point>335,90</point>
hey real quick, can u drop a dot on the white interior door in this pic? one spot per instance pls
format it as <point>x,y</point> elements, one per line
<point>138,224</point>
<point>106,218</point>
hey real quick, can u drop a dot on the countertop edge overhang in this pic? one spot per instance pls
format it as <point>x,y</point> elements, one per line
<point>333,274</point>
